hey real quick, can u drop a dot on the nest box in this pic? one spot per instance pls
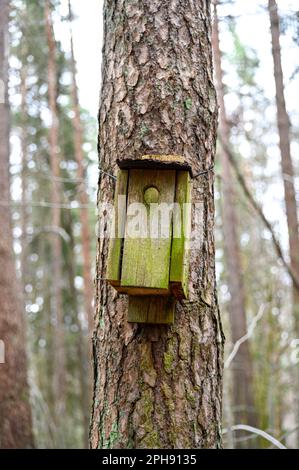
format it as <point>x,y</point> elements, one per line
<point>149,242</point>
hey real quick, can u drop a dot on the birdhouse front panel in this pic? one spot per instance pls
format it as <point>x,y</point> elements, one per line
<point>148,234</point>
<point>149,252</point>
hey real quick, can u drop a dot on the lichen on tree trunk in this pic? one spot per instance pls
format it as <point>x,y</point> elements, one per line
<point>159,386</point>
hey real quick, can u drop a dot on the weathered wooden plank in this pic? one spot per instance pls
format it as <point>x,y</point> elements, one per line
<point>160,161</point>
<point>179,267</point>
<point>146,254</point>
<point>156,310</point>
<point>142,291</point>
<point>117,229</point>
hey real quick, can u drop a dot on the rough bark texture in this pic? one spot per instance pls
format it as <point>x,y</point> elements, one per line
<point>243,391</point>
<point>283,124</point>
<point>159,386</point>
<point>59,370</point>
<point>15,414</point>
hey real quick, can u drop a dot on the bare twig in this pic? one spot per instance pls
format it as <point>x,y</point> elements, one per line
<point>51,229</point>
<point>259,432</point>
<point>244,338</point>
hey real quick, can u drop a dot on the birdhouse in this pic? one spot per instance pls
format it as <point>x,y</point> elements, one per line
<point>149,242</point>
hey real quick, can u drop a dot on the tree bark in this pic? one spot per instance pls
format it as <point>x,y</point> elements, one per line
<point>59,376</point>
<point>15,413</point>
<point>159,386</point>
<point>283,125</point>
<point>82,192</point>
<point>243,389</point>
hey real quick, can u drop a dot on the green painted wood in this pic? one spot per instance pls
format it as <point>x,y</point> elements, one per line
<point>156,310</point>
<point>146,260</point>
<point>179,268</point>
<point>117,229</point>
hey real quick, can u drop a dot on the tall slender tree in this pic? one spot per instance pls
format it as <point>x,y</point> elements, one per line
<point>15,413</point>
<point>159,386</point>
<point>283,124</point>
<point>24,144</point>
<point>59,375</point>
<point>83,341</point>
<point>243,389</point>
<point>82,190</point>
<point>88,292</point>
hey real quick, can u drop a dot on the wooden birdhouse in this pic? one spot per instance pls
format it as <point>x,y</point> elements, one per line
<point>149,244</point>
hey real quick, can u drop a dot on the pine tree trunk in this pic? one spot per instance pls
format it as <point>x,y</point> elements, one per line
<point>243,390</point>
<point>82,193</point>
<point>24,210</point>
<point>82,342</point>
<point>88,293</point>
<point>283,124</point>
<point>15,413</point>
<point>59,379</point>
<point>159,386</point>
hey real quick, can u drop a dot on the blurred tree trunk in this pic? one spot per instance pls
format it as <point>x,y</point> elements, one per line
<point>84,368</point>
<point>82,348</point>
<point>15,413</point>
<point>84,355</point>
<point>159,386</point>
<point>283,124</point>
<point>24,210</point>
<point>82,192</point>
<point>59,375</point>
<point>243,389</point>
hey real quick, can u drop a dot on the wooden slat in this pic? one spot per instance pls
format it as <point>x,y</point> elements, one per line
<point>146,261</point>
<point>118,225</point>
<point>156,310</point>
<point>179,269</point>
<point>143,291</point>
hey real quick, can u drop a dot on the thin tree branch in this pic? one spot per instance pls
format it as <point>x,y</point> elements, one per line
<point>51,229</point>
<point>259,432</point>
<point>244,338</point>
<point>261,214</point>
